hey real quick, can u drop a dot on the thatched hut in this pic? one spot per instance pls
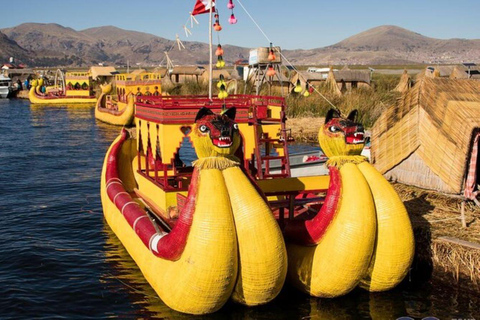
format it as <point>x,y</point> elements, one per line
<point>181,74</point>
<point>439,71</point>
<point>215,75</point>
<point>279,84</point>
<point>458,73</point>
<point>405,82</point>
<point>463,72</point>
<point>427,138</point>
<point>349,79</point>
<point>344,79</point>
<point>103,74</point>
<point>312,78</point>
<point>162,71</point>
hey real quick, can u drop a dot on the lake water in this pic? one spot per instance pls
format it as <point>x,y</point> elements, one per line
<point>60,260</point>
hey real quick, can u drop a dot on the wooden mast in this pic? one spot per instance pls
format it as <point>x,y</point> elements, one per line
<point>210,67</point>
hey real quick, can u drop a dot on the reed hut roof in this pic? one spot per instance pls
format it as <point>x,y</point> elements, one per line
<point>439,71</point>
<point>309,76</point>
<point>102,72</point>
<point>425,139</point>
<point>216,74</point>
<point>462,72</point>
<point>348,75</point>
<point>162,71</point>
<point>313,78</point>
<point>188,70</point>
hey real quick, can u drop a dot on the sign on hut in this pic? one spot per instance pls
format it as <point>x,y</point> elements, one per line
<point>429,139</point>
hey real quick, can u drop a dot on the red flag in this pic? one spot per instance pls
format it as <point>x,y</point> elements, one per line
<point>202,6</point>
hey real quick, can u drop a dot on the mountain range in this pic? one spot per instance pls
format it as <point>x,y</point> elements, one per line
<point>51,44</point>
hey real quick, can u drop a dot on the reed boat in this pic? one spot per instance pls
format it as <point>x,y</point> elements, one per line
<point>115,105</point>
<point>338,228</point>
<point>74,88</point>
<point>201,235</point>
<point>362,235</point>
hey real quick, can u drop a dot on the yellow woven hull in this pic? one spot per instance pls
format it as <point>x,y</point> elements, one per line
<point>394,243</point>
<point>35,99</point>
<point>340,260</point>
<point>263,257</point>
<point>226,245</point>
<point>369,242</point>
<point>123,117</point>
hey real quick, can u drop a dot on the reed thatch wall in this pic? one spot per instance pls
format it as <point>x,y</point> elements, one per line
<point>433,124</point>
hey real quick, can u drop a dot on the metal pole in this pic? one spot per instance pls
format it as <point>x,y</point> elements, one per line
<point>210,67</point>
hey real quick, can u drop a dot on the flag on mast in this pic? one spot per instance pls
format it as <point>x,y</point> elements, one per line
<point>203,6</point>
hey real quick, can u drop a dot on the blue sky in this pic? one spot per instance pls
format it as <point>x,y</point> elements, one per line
<point>290,24</point>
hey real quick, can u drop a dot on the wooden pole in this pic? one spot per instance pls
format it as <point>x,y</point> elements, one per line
<point>462,214</point>
<point>210,67</point>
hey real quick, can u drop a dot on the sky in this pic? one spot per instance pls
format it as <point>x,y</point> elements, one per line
<point>301,24</point>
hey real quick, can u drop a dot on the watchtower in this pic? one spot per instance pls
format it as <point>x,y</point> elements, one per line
<point>264,64</point>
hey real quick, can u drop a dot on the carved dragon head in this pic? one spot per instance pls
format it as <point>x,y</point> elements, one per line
<point>215,135</point>
<point>341,136</point>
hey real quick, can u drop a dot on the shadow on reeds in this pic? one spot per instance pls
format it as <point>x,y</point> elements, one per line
<point>422,266</point>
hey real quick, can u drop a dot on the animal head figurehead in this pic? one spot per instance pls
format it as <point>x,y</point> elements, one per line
<point>340,136</point>
<point>215,135</point>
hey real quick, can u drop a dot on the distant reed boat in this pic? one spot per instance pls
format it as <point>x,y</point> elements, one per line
<point>71,88</point>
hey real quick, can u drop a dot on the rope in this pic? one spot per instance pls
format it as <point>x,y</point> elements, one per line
<point>281,54</point>
<point>175,41</point>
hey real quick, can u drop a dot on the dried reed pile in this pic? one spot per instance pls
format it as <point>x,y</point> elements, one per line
<point>305,129</point>
<point>457,258</point>
<point>439,237</point>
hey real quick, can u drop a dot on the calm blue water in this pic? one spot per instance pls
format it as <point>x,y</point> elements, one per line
<point>59,259</point>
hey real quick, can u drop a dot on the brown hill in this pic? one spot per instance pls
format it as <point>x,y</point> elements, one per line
<point>143,47</point>
<point>56,45</point>
<point>9,48</point>
<point>391,45</point>
<point>52,44</point>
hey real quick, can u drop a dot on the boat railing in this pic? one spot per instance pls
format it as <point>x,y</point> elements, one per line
<point>164,122</point>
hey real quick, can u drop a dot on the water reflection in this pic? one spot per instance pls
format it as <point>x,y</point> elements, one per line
<point>290,304</point>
